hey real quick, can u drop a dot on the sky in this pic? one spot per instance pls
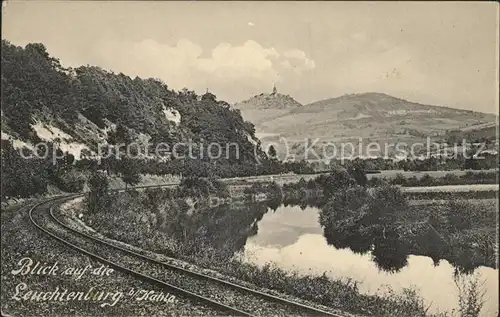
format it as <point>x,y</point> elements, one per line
<point>439,53</point>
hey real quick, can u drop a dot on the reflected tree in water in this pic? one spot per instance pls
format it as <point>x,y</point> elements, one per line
<point>216,232</point>
<point>381,221</point>
<point>364,221</point>
<point>390,253</point>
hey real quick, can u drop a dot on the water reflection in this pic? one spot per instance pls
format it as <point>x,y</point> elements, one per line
<point>389,252</point>
<point>391,237</point>
<point>292,238</point>
<point>226,228</point>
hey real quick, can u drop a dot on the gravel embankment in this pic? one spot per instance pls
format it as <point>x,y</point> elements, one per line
<point>20,239</point>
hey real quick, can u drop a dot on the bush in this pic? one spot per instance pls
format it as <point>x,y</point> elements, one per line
<point>98,198</point>
<point>203,187</point>
<point>399,180</point>
<point>338,179</point>
<point>71,181</point>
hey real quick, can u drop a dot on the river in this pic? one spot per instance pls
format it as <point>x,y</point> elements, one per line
<point>292,238</point>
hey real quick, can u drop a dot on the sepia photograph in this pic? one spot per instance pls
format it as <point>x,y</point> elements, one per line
<point>250,158</point>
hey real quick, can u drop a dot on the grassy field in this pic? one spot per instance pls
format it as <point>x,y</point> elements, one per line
<point>292,178</point>
<point>487,204</point>
<point>452,188</point>
<point>394,173</point>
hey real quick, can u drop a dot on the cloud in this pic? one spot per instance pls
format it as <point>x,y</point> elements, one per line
<point>360,36</point>
<point>182,65</point>
<point>286,64</point>
<point>249,60</point>
<point>149,58</point>
<point>295,53</point>
<point>298,61</point>
<point>250,24</point>
<point>186,64</point>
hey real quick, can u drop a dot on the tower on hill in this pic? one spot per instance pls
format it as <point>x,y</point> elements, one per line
<point>275,91</point>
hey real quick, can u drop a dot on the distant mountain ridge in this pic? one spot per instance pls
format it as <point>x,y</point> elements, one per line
<point>375,102</point>
<point>373,117</point>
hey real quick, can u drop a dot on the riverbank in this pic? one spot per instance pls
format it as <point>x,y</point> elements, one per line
<point>167,229</point>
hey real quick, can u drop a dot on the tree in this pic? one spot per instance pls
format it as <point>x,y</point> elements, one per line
<point>387,207</point>
<point>196,187</point>
<point>272,152</point>
<point>129,169</point>
<point>98,198</point>
<point>339,179</point>
<point>359,176</point>
<point>71,181</point>
<point>120,136</point>
<point>22,177</point>
<point>361,219</point>
<point>209,97</point>
<point>341,218</point>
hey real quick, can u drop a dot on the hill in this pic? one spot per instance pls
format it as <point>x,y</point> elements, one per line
<point>373,117</point>
<point>266,105</point>
<point>41,99</point>
<point>79,111</point>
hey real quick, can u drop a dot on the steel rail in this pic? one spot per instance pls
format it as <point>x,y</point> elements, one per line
<point>305,308</point>
<point>309,309</point>
<point>234,311</point>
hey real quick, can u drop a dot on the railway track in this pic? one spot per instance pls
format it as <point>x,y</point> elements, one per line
<point>227,297</point>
